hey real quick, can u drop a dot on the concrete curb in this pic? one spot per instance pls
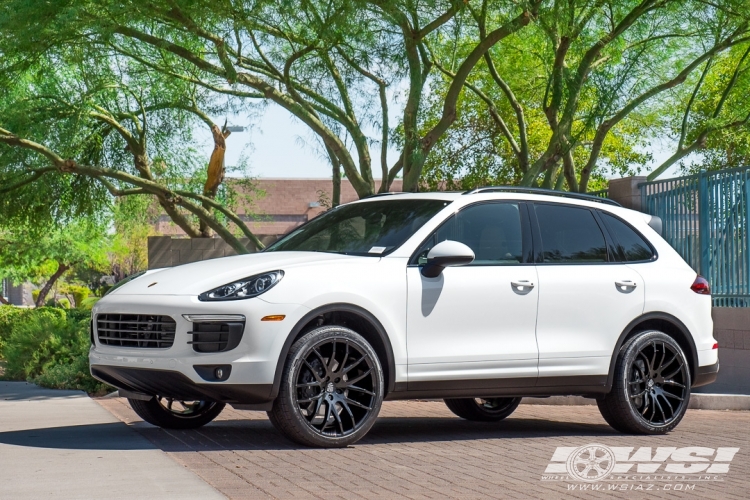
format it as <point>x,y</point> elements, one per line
<point>698,401</point>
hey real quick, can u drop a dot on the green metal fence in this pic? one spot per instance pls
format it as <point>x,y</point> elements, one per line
<point>706,218</point>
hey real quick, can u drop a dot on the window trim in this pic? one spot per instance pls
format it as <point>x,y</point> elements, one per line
<point>621,258</point>
<point>526,234</point>
<point>538,243</point>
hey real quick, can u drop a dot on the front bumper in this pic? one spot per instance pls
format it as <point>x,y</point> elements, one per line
<point>171,372</point>
<point>174,384</point>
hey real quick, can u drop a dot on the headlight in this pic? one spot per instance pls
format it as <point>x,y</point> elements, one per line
<point>244,288</point>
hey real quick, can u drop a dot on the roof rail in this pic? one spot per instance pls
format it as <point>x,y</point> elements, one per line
<point>546,192</point>
<point>387,193</point>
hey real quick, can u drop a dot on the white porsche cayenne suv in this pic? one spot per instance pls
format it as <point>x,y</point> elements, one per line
<point>478,298</point>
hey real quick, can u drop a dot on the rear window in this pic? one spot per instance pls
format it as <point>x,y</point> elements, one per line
<point>570,235</point>
<point>630,246</point>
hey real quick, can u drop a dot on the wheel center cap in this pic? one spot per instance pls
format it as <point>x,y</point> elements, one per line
<point>650,382</point>
<point>329,387</point>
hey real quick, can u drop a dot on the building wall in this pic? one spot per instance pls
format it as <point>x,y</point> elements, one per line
<point>282,205</point>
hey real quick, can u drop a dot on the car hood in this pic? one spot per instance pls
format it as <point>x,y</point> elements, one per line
<point>199,277</point>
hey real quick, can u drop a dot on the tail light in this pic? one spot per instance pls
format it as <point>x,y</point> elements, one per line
<point>701,286</point>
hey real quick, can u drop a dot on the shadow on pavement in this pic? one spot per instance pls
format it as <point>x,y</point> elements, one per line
<point>236,435</point>
<point>111,436</point>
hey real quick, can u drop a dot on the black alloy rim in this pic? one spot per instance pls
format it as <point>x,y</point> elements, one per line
<point>184,409</point>
<point>335,387</point>
<point>494,405</point>
<point>657,383</point>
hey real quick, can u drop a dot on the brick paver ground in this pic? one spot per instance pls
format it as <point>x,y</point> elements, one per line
<point>419,449</point>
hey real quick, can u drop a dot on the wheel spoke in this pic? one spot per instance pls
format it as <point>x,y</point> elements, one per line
<point>661,410</point>
<point>354,381</point>
<point>314,373</point>
<point>357,404</point>
<point>346,354</point>
<point>679,368</point>
<point>332,361</point>
<point>337,417</point>
<point>633,396</point>
<point>351,366</point>
<point>355,388</point>
<point>672,382</point>
<point>320,357</point>
<point>673,396</point>
<point>671,409</point>
<point>327,418</point>
<point>309,384</point>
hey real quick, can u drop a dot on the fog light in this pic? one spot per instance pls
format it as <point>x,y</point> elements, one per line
<point>219,373</point>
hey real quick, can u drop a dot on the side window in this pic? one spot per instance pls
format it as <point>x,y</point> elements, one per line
<point>630,245</point>
<point>491,230</point>
<point>570,235</point>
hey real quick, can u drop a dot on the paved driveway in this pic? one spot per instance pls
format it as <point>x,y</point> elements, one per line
<point>420,450</point>
<point>61,445</point>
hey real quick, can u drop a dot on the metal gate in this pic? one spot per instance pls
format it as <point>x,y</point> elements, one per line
<point>706,219</point>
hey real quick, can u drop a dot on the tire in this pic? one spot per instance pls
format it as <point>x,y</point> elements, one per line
<point>319,404</point>
<point>183,415</point>
<point>483,409</point>
<point>651,388</point>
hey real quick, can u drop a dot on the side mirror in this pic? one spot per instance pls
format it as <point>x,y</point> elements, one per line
<point>447,253</point>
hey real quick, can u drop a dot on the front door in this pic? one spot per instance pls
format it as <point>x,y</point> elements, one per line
<point>475,324</point>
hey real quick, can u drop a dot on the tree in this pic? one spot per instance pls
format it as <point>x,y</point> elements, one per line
<point>46,254</point>
<point>321,61</point>
<point>716,117</point>
<point>595,81</point>
<point>113,129</point>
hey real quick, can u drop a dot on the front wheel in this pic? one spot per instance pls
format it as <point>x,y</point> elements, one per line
<point>651,387</point>
<point>171,413</point>
<point>331,389</point>
<point>483,409</point>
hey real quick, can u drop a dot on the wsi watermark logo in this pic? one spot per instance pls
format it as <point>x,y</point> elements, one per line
<point>643,468</point>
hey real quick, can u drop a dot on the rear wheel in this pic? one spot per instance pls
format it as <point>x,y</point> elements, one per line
<point>651,387</point>
<point>331,389</point>
<point>176,414</point>
<point>483,409</point>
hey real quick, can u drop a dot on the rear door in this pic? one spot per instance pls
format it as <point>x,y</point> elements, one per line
<point>587,296</point>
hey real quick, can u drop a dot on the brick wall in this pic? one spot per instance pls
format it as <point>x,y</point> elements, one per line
<point>166,251</point>
<point>286,204</point>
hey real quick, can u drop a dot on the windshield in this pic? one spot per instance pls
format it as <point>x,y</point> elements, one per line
<point>371,228</point>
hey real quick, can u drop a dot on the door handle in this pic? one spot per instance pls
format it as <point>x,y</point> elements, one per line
<point>522,284</point>
<point>626,285</point>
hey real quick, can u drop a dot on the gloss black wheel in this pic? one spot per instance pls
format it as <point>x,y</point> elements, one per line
<point>483,409</point>
<point>331,390</point>
<point>651,388</point>
<point>173,413</point>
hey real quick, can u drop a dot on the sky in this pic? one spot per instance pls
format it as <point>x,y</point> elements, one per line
<point>280,146</point>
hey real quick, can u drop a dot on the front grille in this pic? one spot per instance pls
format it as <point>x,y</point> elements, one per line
<point>135,330</point>
<point>216,336</point>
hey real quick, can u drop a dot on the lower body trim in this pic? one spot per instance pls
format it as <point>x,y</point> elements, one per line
<point>172,384</point>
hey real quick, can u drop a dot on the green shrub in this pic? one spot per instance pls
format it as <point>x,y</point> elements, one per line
<point>88,303</point>
<point>9,315</point>
<point>79,315</point>
<point>80,293</point>
<point>35,294</point>
<point>50,348</point>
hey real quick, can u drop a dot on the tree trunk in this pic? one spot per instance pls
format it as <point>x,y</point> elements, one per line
<point>215,172</point>
<point>3,301</point>
<point>61,268</point>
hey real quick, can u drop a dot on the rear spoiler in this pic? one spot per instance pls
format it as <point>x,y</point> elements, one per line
<point>656,224</point>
